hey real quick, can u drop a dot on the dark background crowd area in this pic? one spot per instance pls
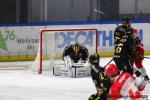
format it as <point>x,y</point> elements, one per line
<point>47,11</point>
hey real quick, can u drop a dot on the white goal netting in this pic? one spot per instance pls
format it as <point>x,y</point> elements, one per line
<point>53,42</point>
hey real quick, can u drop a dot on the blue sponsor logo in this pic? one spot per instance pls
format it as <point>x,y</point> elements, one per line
<point>105,38</point>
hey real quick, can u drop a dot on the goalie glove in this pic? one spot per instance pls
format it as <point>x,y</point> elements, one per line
<point>68,61</point>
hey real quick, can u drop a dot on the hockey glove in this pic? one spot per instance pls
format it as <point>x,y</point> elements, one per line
<point>138,73</point>
<point>146,78</point>
<point>94,97</point>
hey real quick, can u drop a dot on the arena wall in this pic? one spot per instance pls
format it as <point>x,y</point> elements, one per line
<point>20,42</point>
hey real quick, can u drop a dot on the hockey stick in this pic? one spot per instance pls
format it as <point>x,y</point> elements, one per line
<point>93,67</point>
<point>102,13</point>
<point>79,64</point>
<point>109,62</point>
<point>147,57</point>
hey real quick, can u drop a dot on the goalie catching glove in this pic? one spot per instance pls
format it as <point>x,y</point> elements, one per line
<point>68,61</point>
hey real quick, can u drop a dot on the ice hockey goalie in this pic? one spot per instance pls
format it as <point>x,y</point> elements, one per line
<point>75,62</point>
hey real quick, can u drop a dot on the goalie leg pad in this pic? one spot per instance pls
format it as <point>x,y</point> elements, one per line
<point>76,72</point>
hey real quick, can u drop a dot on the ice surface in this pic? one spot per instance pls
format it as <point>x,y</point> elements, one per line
<point>25,85</point>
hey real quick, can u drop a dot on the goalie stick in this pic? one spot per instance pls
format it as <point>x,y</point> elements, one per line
<point>109,62</point>
<point>80,64</point>
<point>147,57</point>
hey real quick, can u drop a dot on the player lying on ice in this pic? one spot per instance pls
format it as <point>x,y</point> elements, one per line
<point>125,86</point>
<point>114,85</point>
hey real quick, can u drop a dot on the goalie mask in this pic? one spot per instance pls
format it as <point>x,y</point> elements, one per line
<point>94,59</point>
<point>76,48</point>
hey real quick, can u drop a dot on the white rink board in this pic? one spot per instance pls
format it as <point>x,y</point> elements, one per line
<point>23,40</point>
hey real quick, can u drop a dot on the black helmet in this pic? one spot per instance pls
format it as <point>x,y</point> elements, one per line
<point>126,20</point>
<point>76,48</point>
<point>94,59</point>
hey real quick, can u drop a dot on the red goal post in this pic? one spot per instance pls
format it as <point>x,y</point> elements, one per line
<point>49,38</point>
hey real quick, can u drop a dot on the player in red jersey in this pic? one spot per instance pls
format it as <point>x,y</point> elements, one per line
<point>139,55</point>
<point>124,84</point>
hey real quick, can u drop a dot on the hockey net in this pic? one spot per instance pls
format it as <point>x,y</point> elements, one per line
<point>53,42</point>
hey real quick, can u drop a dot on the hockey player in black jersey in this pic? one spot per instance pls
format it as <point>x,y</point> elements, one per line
<point>101,82</point>
<point>124,46</point>
<point>76,52</point>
